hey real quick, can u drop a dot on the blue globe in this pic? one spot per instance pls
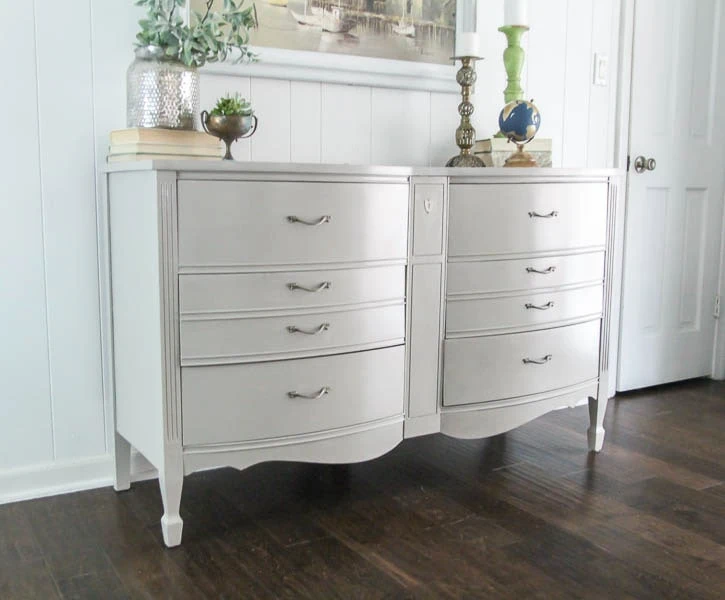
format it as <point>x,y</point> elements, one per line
<point>519,121</point>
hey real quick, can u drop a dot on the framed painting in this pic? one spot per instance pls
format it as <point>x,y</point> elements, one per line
<point>386,43</point>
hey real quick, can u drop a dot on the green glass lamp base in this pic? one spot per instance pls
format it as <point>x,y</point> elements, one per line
<point>513,60</point>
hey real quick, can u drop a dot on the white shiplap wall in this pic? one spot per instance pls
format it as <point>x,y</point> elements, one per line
<point>63,100</point>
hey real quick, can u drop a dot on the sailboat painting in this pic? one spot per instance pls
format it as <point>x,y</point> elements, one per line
<point>413,30</point>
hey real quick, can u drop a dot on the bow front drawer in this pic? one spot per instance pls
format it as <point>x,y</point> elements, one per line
<point>508,366</point>
<point>236,293</point>
<point>478,315</point>
<point>509,219</point>
<point>468,278</point>
<point>236,223</point>
<point>235,403</point>
<point>214,340</point>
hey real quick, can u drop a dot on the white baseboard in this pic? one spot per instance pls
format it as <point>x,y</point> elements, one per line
<point>65,477</point>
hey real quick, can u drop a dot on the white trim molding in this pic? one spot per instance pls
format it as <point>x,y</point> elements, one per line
<point>65,477</point>
<point>275,63</point>
<point>718,361</point>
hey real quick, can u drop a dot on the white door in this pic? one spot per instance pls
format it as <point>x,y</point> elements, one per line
<point>674,212</point>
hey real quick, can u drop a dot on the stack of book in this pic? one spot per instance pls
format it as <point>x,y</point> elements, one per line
<point>162,144</point>
<point>495,151</point>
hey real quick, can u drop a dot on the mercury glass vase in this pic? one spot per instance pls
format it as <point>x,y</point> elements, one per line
<point>161,92</point>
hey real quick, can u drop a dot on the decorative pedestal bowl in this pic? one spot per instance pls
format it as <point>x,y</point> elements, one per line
<point>229,129</point>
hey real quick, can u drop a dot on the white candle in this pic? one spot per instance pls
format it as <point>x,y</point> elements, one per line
<point>516,12</point>
<point>468,44</point>
<point>468,34</point>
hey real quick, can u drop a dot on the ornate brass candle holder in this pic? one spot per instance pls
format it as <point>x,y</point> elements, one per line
<point>466,134</point>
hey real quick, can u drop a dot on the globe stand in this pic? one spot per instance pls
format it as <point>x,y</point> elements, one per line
<point>521,158</point>
<point>466,134</point>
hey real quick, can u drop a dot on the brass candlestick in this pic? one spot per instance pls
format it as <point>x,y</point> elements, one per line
<point>466,134</point>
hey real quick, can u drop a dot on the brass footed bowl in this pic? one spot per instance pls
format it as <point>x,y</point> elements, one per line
<point>229,129</point>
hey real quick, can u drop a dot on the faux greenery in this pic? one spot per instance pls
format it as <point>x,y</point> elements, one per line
<point>232,106</point>
<point>210,37</point>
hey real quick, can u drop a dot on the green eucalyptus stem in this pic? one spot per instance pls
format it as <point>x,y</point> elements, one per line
<point>513,60</point>
<point>208,37</point>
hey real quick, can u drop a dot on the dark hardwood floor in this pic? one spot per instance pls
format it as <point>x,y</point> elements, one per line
<point>526,515</point>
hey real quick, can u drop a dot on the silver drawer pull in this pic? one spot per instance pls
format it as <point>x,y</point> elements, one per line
<point>551,215</point>
<point>320,221</point>
<point>325,285</point>
<point>541,361</point>
<point>320,329</point>
<point>548,271</point>
<point>323,392</point>
<point>546,306</point>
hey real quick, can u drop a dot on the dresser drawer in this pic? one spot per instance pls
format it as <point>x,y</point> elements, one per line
<point>523,218</point>
<point>220,340</point>
<point>490,314</point>
<point>494,368</point>
<point>233,293</point>
<point>527,274</point>
<point>234,403</point>
<point>231,223</point>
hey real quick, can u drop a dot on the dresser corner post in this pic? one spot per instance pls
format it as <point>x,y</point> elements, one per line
<point>171,482</point>
<point>598,405</point>
<point>597,410</point>
<point>171,471</point>
<point>122,458</point>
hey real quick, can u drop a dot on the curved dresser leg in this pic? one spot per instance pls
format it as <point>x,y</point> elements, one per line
<point>595,433</point>
<point>122,457</point>
<point>171,481</point>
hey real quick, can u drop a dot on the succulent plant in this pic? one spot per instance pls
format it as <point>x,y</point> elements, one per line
<point>232,106</point>
<point>211,35</point>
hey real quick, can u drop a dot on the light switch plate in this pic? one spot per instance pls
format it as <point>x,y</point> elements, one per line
<point>601,70</point>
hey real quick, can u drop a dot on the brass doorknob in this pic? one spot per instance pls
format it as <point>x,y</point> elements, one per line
<point>642,164</point>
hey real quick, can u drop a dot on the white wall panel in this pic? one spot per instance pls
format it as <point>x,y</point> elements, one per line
<point>26,435</point>
<point>602,100</point>
<point>578,83</point>
<point>68,193</point>
<point>400,131</point>
<point>305,121</point>
<point>443,122</point>
<point>271,101</point>
<point>346,124</point>
<point>547,69</point>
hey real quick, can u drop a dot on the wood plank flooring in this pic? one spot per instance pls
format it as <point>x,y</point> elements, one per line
<point>529,514</point>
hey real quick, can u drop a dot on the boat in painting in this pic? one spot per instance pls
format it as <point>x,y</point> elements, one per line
<point>280,3</point>
<point>312,16</point>
<point>404,29</point>
<point>328,18</point>
<point>335,21</point>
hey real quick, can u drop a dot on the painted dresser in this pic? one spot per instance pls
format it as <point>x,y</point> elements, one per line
<point>325,313</point>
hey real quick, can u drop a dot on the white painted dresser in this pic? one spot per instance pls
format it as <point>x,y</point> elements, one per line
<point>325,313</point>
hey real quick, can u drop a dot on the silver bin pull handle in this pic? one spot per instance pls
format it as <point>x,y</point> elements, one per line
<point>320,329</point>
<point>541,361</point>
<point>316,396</point>
<point>534,215</point>
<point>320,221</point>
<point>325,285</point>
<point>548,271</point>
<point>546,306</point>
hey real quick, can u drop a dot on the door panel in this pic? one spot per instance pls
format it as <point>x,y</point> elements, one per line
<point>674,212</point>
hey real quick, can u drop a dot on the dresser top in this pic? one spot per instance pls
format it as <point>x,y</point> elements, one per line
<point>231,167</point>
